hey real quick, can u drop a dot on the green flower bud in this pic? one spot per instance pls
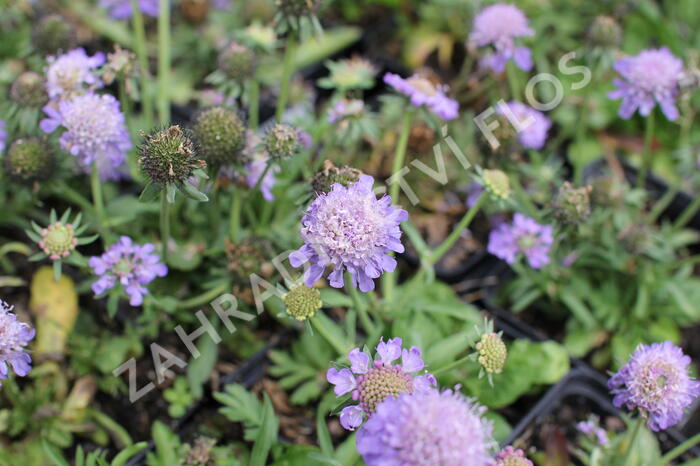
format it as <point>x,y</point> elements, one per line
<point>237,62</point>
<point>220,136</point>
<point>282,142</point>
<point>330,174</point>
<point>53,34</point>
<point>28,90</point>
<point>492,353</point>
<point>302,302</point>
<point>572,205</point>
<point>168,156</point>
<point>58,240</point>
<point>29,160</point>
<point>605,32</point>
<point>496,183</point>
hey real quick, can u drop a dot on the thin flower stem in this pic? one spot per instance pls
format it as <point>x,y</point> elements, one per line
<point>235,220</point>
<point>365,320</point>
<point>451,365</point>
<point>287,69</point>
<point>204,298</point>
<point>513,83</point>
<point>98,202</point>
<point>678,451</point>
<point>687,214</point>
<point>142,55</point>
<point>253,104</point>
<point>440,251</point>
<point>633,442</point>
<point>164,224</point>
<point>163,61</point>
<point>262,176</point>
<point>321,327</point>
<point>662,203</point>
<point>646,155</point>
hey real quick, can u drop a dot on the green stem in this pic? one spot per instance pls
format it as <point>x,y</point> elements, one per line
<point>365,320</point>
<point>678,451</point>
<point>253,104</point>
<point>235,225</point>
<point>440,251</point>
<point>287,69</point>
<point>142,55</point>
<point>661,204</point>
<point>164,224</point>
<point>262,177</point>
<point>319,325</point>
<point>633,441</point>
<point>204,298</point>
<point>452,365</point>
<point>513,82</point>
<point>687,214</point>
<point>98,202</point>
<point>163,61</point>
<point>646,155</point>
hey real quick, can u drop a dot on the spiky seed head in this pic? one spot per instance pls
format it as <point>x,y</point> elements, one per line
<point>169,156</point>
<point>29,90</point>
<point>282,141</point>
<point>496,182</point>
<point>302,302</point>
<point>492,353</point>
<point>605,32</point>
<point>52,34</point>
<point>324,180</point>
<point>29,160</point>
<point>58,240</point>
<point>572,205</point>
<point>220,136</point>
<point>237,62</point>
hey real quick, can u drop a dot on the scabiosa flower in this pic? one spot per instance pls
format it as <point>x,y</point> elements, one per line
<point>69,73</point>
<point>121,9</point>
<point>509,456</point>
<point>523,236</point>
<point>349,228</point>
<point>127,264</point>
<point>656,380</point>
<point>302,302</point>
<point>427,428</point>
<point>95,132</point>
<point>371,382</point>
<point>423,92</point>
<point>14,336</point>
<point>533,125</point>
<point>592,428</point>
<point>497,26</point>
<point>646,79</point>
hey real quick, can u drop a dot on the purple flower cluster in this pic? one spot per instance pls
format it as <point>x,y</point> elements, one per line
<point>349,228</point>
<point>3,135</point>
<point>127,264</point>
<point>524,236</point>
<point>95,132</point>
<point>532,125</point>
<point>121,9</point>
<point>497,26</point>
<point>656,381</point>
<point>71,72</point>
<point>14,336</point>
<point>372,381</point>
<point>592,429</point>
<point>427,428</point>
<point>423,92</point>
<point>646,79</point>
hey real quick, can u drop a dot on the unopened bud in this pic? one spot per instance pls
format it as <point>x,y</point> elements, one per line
<point>572,205</point>
<point>492,353</point>
<point>302,302</point>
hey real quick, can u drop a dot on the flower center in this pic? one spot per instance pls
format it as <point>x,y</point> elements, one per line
<point>58,239</point>
<point>526,242</point>
<point>381,382</point>
<point>422,85</point>
<point>123,268</point>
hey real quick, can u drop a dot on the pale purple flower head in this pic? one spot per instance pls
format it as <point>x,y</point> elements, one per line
<point>422,92</point>
<point>591,428</point>
<point>532,125</point>
<point>646,79</point>
<point>497,26</point>
<point>95,132</point>
<point>121,9</point>
<point>523,236</point>
<point>349,228</point>
<point>371,381</point>
<point>127,264</point>
<point>14,336</point>
<point>656,380</point>
<point>510,456</point>
<point>3,135</point>
<point>427,428</point>
<point>72,72</point>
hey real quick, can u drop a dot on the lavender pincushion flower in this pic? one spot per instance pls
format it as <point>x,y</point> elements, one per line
<point>349,228</point>
<point>71,72</point>
<point>510,456</point>
<point>427,428</point>
<point>656,380</point>
<point>14,336</point>
<point>127,264</point>
<point>372,381</point>
<point>423,92</point>
<point>95,132</point>
<point>497,26</point>
<point>533,125</point>
<point>646,79</point>
<point>524,236</point>
<point>121,9</point>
